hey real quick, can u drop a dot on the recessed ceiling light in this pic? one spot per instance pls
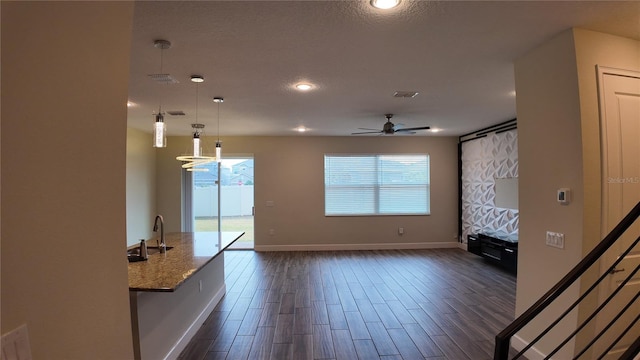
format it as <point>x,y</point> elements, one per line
<point>197,78</point>
<point>130,104</point>
<point>301,129</point>
<point>304,86</point>
<point>435,130</point>
<point>385,4</point>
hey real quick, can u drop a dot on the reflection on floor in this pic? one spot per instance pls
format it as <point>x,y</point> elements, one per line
<point>395,304</point>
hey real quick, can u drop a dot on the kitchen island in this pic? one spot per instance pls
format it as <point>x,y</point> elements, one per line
<point>172,293</point>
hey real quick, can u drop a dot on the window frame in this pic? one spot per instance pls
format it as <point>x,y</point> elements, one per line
<point>379,186</point>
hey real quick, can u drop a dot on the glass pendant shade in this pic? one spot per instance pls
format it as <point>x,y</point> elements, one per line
<point>197,150</point>
<point>159,132</point>
<point>218,151</point>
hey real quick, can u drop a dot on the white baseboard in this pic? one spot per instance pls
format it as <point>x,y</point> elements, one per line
<point>532,354</point>
<point>463,246</point>
<point>195,326</point>
<point>337,247</point>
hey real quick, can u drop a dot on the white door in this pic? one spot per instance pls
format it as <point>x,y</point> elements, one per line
<point>620,118</point>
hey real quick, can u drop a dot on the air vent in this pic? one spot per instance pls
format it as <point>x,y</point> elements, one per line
<point>176,113</point>
<point>163,78</point>
<point>405,94</point>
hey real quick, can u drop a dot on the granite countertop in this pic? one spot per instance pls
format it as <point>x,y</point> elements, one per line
<point>190,253</point>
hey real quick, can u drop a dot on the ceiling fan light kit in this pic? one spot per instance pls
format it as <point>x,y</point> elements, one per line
<point>389,128</point>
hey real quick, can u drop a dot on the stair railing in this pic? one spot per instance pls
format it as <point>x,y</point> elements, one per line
<point>503,339</point>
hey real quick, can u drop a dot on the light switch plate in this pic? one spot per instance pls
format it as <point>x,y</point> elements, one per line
<point>564,196</point>
<point>555,239</point>
<point>15,344</point>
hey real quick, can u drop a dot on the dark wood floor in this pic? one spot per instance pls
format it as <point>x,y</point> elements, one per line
<point>396,304</point>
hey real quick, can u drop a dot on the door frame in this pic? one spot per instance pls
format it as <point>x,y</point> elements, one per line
<point>602,71</point>
<point>606,223</point>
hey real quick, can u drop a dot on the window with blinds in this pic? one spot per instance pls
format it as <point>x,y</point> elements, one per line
<point>376,185</point>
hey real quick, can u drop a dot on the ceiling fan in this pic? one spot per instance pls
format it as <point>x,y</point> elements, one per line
<point>389,128</point>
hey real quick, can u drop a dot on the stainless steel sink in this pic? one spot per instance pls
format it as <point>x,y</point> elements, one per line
<point>155,250</point>
<point>135,258</point>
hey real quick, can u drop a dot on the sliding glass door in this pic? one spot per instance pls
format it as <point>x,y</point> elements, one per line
<point>236,199</point>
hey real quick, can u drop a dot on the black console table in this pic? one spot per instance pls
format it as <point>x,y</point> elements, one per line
<point>499,248</point>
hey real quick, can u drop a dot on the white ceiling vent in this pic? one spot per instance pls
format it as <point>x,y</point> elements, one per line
<point>405,94</point>
<point>176,113</point>
<point>163,78</point>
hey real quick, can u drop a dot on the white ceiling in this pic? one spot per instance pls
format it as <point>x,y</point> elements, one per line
<point>458,55</point>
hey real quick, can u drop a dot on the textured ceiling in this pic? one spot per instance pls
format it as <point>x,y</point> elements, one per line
<point>458,55</point>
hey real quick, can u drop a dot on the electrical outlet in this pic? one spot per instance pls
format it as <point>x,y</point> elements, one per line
<point>555,239</point>
<point>400,230</point>
<point>15,345</point>
<point>272,232</point>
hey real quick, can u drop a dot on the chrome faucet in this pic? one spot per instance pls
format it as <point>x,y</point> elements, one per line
<point>161,246</point>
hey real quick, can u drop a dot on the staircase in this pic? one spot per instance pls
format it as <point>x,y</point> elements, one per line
<point>620,327</point>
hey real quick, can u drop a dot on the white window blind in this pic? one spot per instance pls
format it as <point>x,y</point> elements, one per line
<point>376,185</point>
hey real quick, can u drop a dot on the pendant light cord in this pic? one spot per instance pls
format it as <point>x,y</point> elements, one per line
<point>196,102</point>
<point>161,92</point>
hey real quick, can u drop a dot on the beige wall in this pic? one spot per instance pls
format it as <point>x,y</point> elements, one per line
<point>558,129</point>
<point>141,185</point>
<point>290,172</point>
<point>65,69</point>
<point>550,155</point>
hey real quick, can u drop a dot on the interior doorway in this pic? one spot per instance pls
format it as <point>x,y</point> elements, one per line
<point>236,207</point>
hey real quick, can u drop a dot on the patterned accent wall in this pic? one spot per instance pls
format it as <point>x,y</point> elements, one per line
<point>483,160</point>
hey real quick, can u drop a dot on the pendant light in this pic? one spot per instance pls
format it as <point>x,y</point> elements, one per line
<point>218,100</point>
<point>159,126</point>
<point>159,131</point>
<point>197,156</point>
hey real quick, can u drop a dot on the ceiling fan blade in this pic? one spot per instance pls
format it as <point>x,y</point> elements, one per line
<point>366,132</point>
<point>415,128</point>
<point>369,129</point>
